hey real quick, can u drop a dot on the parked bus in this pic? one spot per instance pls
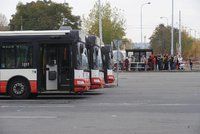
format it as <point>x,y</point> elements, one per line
<point>32,62</point>
<point>107,56</point>
<point>95,62</point>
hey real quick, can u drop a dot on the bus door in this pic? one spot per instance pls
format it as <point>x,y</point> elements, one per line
<point>51,68</point>
<point>65,68</point>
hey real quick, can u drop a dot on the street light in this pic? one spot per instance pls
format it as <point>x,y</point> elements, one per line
<point>141,18</point>
<point>172,30</point>
<point>100,23</point>
<point>162,17</point>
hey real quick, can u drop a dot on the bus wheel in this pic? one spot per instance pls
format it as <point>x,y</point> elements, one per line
<point>19,89</point>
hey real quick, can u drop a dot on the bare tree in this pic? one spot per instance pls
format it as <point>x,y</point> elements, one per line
<point>3,23</point>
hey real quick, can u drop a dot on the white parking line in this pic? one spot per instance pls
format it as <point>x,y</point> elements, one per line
<point>143,104</point>
<point>28,117</point>
<point>100,104</point>
<point>38,106</point>
<point>176,104</point>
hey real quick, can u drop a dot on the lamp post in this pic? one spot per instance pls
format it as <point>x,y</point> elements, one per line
<point>180,35</point>
<point>141,18</point>
<point>100,23</point>
<point>162,17</point>
<point>172,30</point>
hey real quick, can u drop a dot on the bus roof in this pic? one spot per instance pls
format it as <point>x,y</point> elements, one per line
<point>29,33</point>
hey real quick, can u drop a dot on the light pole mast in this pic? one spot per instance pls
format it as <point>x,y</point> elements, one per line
<point>180,30</point>
<point>141,19</point>
<point>100,23</point>
<point>172,30</point>
<point>21,23</point>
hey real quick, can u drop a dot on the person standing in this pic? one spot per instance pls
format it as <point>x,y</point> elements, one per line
<point>191,64</point>
<point>180,62</point>
<point>127,64</point>
<point>171,62</point>
<point>155,62</point>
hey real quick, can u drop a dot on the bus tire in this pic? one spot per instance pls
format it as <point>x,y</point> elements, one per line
<point>19,89</point>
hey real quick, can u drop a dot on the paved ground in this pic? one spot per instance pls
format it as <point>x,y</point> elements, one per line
<point>144,103</point>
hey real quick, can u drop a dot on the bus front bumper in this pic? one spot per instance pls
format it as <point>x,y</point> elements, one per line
<point>81,85</point>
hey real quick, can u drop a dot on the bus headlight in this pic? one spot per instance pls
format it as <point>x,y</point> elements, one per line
<point>96,80</point>
<point>80,82</point>
<point>110,77</point>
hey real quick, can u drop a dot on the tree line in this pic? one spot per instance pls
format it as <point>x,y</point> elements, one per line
<point>48,15</point>
<point>160,41</point>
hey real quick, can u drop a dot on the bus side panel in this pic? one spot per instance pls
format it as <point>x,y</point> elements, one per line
<point>102,78</point>
<point>29,74</point>
<point>87,79</point>
<point>2,85</point>
<point>95,79</point>
<point>110,76</point>
<point>79,81</point>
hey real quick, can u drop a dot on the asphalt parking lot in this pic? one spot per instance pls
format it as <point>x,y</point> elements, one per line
<point>144,103</point>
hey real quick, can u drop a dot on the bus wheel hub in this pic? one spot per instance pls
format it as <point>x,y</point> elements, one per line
<point>18,88</point>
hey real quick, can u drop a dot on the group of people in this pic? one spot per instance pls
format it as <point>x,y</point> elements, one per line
<point>164,62</point>
<point>160,62</point>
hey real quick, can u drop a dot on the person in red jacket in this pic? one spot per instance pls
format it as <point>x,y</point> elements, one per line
<point>126,64</point>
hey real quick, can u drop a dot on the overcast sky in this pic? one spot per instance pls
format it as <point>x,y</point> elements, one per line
<point>131,11</point>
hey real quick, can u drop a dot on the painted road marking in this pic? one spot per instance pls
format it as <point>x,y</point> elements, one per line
<point>39,106</point>
<point>28,117</point>
<point>142,104</point>
<point>100,104</point>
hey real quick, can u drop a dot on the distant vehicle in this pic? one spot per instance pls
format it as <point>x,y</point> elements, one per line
<point>121,55</point>
<point>32,62</point>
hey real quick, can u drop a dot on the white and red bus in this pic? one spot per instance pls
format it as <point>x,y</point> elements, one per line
<point>95,62</point>
<point>107,56</point>
<point>32,62</point>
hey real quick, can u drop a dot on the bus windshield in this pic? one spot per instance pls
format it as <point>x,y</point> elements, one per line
<point>97,59</point>
<point>82,57</point>
<point>110,60</point>
<point>107,57</point>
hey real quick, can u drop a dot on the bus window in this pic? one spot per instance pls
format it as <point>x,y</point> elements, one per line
<point>97,58</point>
<point>78,57</point>
<point>82,60</point>
<point>16,56</point>
<point>85,59</point>
<point>51,56</point>
<point>110,62</point>
<point>8,56</point>
<point>24,56</point>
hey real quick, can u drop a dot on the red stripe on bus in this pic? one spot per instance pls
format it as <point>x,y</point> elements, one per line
<point>3,85</point>
<point>33,85</point>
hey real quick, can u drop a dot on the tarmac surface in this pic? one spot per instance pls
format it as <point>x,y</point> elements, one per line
<point>144,103</point>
